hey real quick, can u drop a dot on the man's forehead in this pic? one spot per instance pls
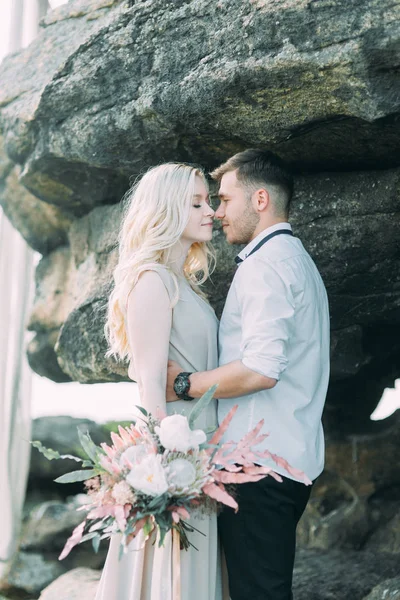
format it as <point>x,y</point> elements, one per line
<point>228,181</point>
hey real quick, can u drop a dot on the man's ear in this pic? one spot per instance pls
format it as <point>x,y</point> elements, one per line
<point>262,198</point>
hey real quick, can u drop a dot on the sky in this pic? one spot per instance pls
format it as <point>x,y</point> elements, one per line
<point>108,401</point>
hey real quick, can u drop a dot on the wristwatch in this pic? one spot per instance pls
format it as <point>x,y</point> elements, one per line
<point>182,386</point>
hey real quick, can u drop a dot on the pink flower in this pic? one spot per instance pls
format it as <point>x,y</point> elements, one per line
<point>122,493</point>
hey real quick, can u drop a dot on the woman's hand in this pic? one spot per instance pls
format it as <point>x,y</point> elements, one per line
<point>172,371</point>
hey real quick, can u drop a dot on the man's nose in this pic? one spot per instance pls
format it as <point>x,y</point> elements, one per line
<point>219,213</point>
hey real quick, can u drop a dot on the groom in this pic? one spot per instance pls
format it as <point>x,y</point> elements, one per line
<point>274,363</point>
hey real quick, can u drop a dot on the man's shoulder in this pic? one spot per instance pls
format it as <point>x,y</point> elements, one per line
<point>275,252</point>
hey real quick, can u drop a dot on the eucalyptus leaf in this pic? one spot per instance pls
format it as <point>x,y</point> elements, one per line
<point>51,454</point>
<point>147,528</point>
<point>96,543</point>
<point>98,525</point>
<point>201,405</point>
<point>163,533</point>
<point>88,445</point>
<point>121,551</point>
<point>88,536</point>
<point>142,410</point>
<point>157,502</point>
<point>77,476</point>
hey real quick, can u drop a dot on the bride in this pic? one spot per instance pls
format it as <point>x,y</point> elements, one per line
<point>158,312</point>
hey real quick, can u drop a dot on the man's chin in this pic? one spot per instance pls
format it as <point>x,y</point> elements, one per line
<point>230,240</point>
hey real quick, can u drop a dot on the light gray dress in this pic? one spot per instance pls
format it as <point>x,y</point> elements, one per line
<point>145,572</point>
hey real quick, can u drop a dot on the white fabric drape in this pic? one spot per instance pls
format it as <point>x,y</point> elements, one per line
<point>15,383</point>
<point>16,290</point>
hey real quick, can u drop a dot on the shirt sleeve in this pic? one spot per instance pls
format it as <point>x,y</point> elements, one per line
<point>267,316</point>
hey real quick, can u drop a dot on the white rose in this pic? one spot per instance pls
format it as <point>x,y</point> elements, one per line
<point>175,434</point>
<point>149,476</point>
<point>181,473</point>
<point>133,455</point>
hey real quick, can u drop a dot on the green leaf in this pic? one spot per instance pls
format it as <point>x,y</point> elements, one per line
<point>163,532</point>
<point>157,502</point>
<point>77,476</point>
<point>97,525</point>
<point>121,551</point>
<point>88,536</point>
<point>203,402</point>
<point>88,445</point>
<point>51,454</point>
<point>147,528</point>
<point>96,543</point>
<point>142,410</point>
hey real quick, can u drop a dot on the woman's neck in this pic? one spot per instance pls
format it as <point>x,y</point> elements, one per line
<point>178,255</point>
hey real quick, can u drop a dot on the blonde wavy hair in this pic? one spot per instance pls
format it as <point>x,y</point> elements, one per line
<point>155,216</point>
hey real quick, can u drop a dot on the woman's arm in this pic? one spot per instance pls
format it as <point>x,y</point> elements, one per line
<point>149,319</point>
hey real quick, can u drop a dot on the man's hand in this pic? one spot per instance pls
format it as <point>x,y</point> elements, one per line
<point>173,370</point>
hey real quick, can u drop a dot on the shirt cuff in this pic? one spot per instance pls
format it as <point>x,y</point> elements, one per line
<point>268,368</point>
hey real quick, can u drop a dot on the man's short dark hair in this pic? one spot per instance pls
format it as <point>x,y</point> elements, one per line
<point>261,168</point>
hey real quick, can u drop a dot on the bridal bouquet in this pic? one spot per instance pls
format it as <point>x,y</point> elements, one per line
<point>156,471</point>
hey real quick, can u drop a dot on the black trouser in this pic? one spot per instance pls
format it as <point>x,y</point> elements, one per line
<point>259,540</point>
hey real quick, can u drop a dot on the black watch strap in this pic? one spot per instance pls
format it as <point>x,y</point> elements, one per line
<point>182,386</point>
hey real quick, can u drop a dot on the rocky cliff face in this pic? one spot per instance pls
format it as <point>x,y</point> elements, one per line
<point>110,87</point>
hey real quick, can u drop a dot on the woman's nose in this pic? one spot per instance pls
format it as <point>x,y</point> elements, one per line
<point>209,211</point>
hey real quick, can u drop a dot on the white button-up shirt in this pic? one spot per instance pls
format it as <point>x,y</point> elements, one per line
<point>276,321</point>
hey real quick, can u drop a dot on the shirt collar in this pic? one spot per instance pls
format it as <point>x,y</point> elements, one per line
<point>247,249</point>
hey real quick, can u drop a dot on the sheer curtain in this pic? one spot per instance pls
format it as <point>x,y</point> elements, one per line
<point>16,285</point>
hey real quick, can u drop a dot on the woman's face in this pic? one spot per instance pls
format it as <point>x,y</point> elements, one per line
<point>200,225</point>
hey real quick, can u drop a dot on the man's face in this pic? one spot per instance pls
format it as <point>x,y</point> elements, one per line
<point>236,212</point>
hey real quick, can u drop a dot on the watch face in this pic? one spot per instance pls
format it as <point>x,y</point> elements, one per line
<point>181,385</point>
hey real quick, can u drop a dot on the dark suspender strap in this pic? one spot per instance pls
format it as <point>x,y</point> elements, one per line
<point>239,260</point>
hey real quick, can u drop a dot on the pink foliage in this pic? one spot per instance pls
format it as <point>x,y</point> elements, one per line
<point>220,494</point>
<point>111,452</point>
<point>119,514</point>
<point>224,477</point>
<point>111,466</point>
<point>179,512</point>
<point>73,540</point>
<point>125,435</point>
<point>296,473</point>
<point>104,510</point>
<point>217,437</point>
<point>135,434</point>
<point>160,414</point>
<point>118,443</point>
<point>235,462</point>
<point>182,512</point>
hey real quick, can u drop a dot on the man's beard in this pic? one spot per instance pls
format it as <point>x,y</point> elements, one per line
<point>245,225</point>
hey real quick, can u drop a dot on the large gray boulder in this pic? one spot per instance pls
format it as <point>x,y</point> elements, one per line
<point>108,88</point>
<point>50,523</point>
<point>29,573</point>
<point>78,584</point>
<point>340,575</point>
<point>388,590</point>
<point>387,537</point>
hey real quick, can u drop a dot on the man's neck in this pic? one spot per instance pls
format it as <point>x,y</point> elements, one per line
<point>266,225</point>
